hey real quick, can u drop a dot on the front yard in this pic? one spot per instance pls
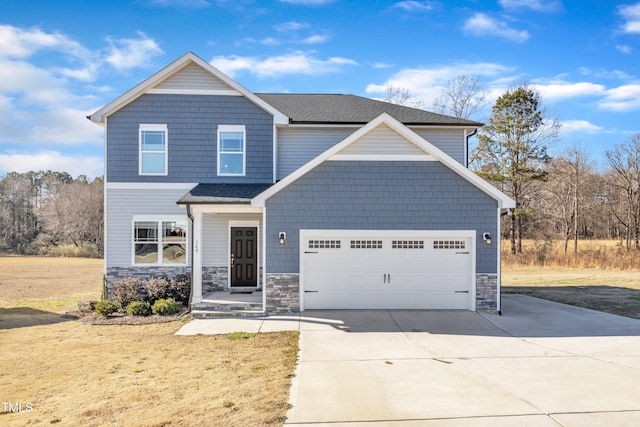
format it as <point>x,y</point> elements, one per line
<point>58,370</point>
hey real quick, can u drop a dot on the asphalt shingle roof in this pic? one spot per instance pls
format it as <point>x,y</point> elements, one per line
<point>351,109</point>
<point>222,193</point>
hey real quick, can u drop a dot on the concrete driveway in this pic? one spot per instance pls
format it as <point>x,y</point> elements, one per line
<point>539,364</point>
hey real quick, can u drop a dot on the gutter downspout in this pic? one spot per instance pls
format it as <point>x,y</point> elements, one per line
<point>466,147</point>
<point>190,216</point>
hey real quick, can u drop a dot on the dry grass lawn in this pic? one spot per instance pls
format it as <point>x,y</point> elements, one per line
<point>611,291</point>
<point>75,374</point>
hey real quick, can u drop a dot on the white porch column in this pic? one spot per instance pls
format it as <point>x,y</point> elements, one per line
<point>196,280</point>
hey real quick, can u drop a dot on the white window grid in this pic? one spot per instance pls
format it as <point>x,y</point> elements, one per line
<point>407,244</point>
<point>449,244</point>
<point>366,244</point>
<point>324,244</point>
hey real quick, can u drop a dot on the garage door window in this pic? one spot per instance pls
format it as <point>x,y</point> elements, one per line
<point>366,244</point>
<point>407,244</point>
<point>324,244</point>
<point>449,244</point>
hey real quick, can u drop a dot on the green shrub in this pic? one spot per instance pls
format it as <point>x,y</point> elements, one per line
<point>165,307</point>
<point>139,308</point>
<point>157,288</point>
<point>127,290</point>
<point>106,307</point>
<point>180,287</point>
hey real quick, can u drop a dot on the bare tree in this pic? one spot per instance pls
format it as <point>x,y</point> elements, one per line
<point>402,96</point>
<point>567,189</point>
<point>75,214</point>
<point>624,160</point>
<point>462,97</point>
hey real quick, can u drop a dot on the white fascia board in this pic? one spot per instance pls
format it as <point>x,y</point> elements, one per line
<point>171,69</point>
<point>430,149</point>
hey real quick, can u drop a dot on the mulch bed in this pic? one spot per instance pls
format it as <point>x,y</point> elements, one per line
<point>92,318</point>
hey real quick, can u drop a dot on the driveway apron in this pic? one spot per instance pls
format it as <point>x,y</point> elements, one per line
<point>540,363</point>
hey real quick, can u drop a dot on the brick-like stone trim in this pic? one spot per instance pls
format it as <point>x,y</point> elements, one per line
<point>283,293</point>
<point>486,291</point>
<point>214,279</point>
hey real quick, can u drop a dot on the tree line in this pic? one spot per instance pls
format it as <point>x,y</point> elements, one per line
<point>566,197</point>
<point>41,211</point>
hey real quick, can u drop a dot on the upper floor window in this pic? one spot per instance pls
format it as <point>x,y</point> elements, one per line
<point>153,149</point>
<point>231,150</point>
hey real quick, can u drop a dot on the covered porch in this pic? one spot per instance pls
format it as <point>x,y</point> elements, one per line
<point>227,247</point>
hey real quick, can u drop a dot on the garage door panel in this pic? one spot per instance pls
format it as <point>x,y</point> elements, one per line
<point>346,272</point>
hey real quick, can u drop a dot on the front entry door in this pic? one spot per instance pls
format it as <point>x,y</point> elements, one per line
<point>244,256</point>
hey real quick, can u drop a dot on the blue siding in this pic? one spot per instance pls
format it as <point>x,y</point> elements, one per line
<point>192,122</point>
<point>378,196</point>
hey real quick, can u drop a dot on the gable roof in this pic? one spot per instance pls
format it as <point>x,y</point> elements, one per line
<point>352,109</point>
<point>171,70</point>
<point>385,119</point>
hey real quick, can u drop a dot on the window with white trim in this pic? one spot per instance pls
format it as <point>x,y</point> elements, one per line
<point>160,242</point>
<point>231,150</point>
<point>153,158</point>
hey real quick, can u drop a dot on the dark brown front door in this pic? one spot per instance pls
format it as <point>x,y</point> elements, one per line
<point>244,256</point>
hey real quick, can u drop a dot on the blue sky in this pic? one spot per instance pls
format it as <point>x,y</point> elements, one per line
<point>60,61</point>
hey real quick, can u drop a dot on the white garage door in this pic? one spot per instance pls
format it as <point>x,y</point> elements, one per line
<point>387,270</point>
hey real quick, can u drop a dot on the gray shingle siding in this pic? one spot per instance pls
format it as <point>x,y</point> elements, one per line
<point>192,122</point>
<point>378,196</point>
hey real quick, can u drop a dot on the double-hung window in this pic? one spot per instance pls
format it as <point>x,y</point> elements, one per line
<point>231,150</point>
<point>160,241</point>
<point>153,149</point>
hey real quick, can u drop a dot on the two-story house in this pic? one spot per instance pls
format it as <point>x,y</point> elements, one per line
<point>321,201</point>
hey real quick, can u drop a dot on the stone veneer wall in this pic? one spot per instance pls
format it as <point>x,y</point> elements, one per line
<point>214,279</point>
<point>283,293</point>
<point>486,291</point>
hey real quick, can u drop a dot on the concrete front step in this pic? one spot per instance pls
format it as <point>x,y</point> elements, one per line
<point>227,306</point>
<point>213,314</point>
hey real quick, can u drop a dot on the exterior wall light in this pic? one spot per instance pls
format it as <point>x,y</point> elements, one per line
<point>282,236</point>
<point>487,238</point>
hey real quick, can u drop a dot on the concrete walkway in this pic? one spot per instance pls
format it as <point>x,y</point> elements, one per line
<point>540,364</point>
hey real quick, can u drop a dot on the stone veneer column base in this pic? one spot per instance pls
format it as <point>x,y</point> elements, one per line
<point>487,291</point>
<point>282,293</point>
<point>214,279</point>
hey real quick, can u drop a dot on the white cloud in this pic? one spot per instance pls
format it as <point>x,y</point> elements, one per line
<point>22,43</point>
<point>125,54</point>
<point>277,66</point>
<point>51,160</point>
<point>481,24</point>
<point>427,83</point>
<point>415,6</point>
<point>579,126</point>
<point>315,39</point>
<point>622,99</point>
<point>631,14</point>
<point>558,90</point>
<point>291,26</point>
<point>624,48</point>
<point>536,5</point>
